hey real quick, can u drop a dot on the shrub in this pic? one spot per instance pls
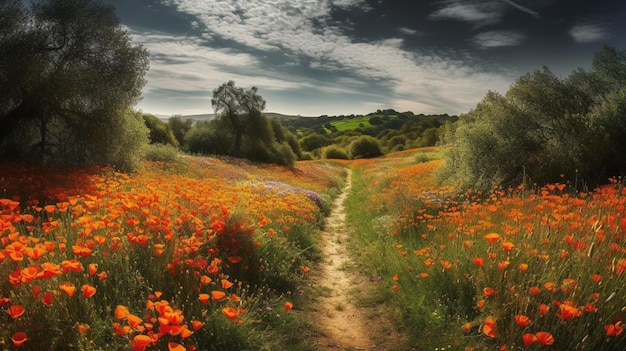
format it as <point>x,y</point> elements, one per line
<point>162,153</point>
<point>365,147</point>
<point>335,152</point>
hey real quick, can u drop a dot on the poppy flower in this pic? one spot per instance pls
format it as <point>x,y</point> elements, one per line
<point>529,339</point>
<point>544,338</point>
<point>534,290</point>
<point>47,298</point>
<point>15,311</point>
<point>488,291</point>
<point>507,246</point>
<point>121,312</point>
<point>543,308</point>
<point>68,288</point>
<point>596,278</point>
<point>133,320</point>
<point>82,328</point>
<point>288,306</point>
<point>19,338</point>
<point>196,325</point>
<point>479,261</point>
<point>523,267</point>
<point>226,284</point>
<point>141,342</point>
<point>568,312</point>
<point>88,290</point>
<point>204,298</point>
<point>231,312</point>
<point>492,237</point>
<point>218,295</point>
<point>614,329</point>
<point>205,279</point>
<point>467,327</point>
<point>522,320</point>
<point>172,346</point>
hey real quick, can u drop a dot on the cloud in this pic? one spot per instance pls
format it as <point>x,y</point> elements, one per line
<point>588,33</point>
<point>407,31</point>
<point>479,13</point>
<point>289,46</point>
<point>498,38</point>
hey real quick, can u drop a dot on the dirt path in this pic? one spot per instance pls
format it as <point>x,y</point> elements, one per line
<point>341,323</point>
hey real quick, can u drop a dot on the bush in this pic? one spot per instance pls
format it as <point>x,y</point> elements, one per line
<point>335,152</point>
<point>545,129</point>
<point>365,147</point>
<point>162,153</point>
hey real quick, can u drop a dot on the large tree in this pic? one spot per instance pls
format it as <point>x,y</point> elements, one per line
<point>240,110</point>
<point>68,76</point>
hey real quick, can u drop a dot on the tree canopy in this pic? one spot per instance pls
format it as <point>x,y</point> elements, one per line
<point>545,129</point>
<point>68,76</point>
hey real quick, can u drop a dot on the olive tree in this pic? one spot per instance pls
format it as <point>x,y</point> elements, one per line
<point>68,78</point>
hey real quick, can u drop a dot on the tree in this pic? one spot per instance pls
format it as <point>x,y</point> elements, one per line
<point>160,132</point>
<point>240,109</point>
<point>180,128</point>
<point>68,76</point>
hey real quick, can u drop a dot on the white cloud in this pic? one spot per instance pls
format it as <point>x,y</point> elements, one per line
<point>479,13</point>
<point>588,33</point>
<point>407,31</point>
<point>498,38</point>
<point>297,30</point>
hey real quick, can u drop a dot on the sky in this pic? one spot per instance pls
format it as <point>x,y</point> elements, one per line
<point>342,57</point>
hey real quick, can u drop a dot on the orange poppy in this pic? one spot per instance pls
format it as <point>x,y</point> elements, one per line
<point>82,328</point>
<point>613,329</point>
<point>218,295</point>
<point>133,320</point>
<point>543,308</point>
<point>204,298</point>
<point>544,338</point>
<point>231,312</point>
<point>121,312</point>
<point>488,291</point>
<point>205,279</point>
<point>226,284</point>
<point>141,342</point>
<point>88,290</point>
<point>172,346</point>
<point>196,325</point>
<point>492,237</point>
<point>507,246</point>
<point>68,288</point>
<point>523,267</point>
<point>288,306</point>
<point>479,261</point>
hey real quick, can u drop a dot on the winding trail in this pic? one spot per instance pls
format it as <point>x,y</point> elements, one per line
<point>341,322</point>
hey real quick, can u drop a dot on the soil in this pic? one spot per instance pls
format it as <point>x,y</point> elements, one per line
<point>343,323</point>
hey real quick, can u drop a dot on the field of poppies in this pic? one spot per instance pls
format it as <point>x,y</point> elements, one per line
<point>526,268</point>
<point>203,254</point>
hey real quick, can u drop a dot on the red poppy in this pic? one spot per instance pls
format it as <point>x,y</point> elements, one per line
<point>529,339</point>
<point>19,338</point>
<point>522,320</point>
<point>614,329</point>
<point>479,261</point>
<point>288,306</point>
<point>15,311</point>
<point>544,338</point>
<point>488,291</point>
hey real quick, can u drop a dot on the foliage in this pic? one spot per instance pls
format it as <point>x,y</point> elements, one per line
<point>162,153</point>
<point>68,75</point>
<point>366,147</point>
<point>180,128</point>
<point>545,127</point>
<point>335,152</point>
<point>160,132</point>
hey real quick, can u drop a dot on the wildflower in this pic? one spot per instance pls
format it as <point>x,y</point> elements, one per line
<point>19,338</point>
<point>68,288</point>
<point>204,298</point>
<point>47,298</point>
<point>529,339</point>
<point>568,312</point>
<point>523,267</point>
<point>88,290</point>
<point>121,312</point>
<point>172,346</point>
<point>492,237</point>
<point>544,338</point>
<point>288,306</point>
<point>488,291</point>
<point>522,320</point>
<point>218,295</point>
<point>614,329</point>
<point>507,246</point>
<point>141,342</point>
<point>479,261</point>
<point>231,312</point>
<point>489,327</point>
<point>534,290</point>
<point>15,311</point>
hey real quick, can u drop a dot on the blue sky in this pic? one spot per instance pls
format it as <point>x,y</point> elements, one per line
<point>315,57</point>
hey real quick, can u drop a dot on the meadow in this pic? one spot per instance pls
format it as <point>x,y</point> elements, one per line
<point>209,254</point>
<point>202,254</point>
<point>524,268</point>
